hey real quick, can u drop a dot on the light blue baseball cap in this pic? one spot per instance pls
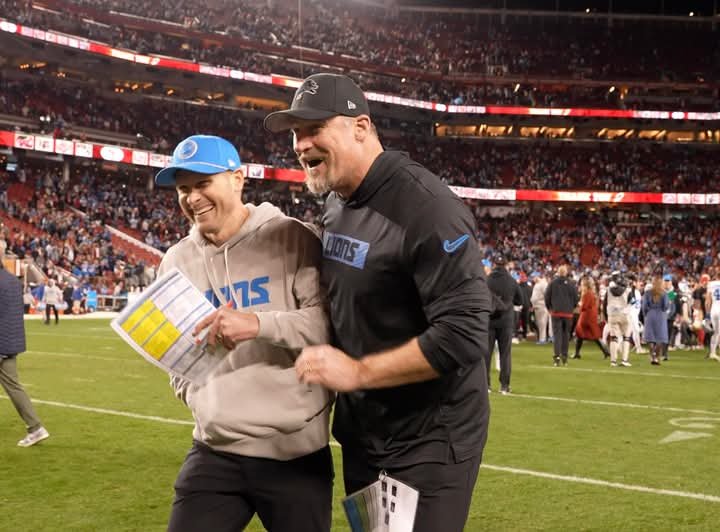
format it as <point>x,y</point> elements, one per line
<point>205,154</point>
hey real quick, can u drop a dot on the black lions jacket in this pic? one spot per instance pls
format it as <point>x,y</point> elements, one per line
<point>401,261</point>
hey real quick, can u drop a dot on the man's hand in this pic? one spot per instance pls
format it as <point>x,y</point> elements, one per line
<point>330,367</point>
<point>228,327</point>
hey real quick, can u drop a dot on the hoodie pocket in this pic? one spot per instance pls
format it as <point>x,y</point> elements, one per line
<point>256,401</point>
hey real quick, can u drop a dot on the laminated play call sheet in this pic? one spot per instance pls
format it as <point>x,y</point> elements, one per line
<point>159,324</point>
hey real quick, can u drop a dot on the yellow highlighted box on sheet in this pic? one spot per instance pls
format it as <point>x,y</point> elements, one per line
<point>161,341</point>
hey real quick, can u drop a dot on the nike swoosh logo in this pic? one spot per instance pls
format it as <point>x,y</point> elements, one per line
<point>451,247</point>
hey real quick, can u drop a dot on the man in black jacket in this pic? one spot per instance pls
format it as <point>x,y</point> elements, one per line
<point>561,298</point>
<point>526,288</point>
<point>409,306</point>
<point>506,294</point>
<point>12,342</point>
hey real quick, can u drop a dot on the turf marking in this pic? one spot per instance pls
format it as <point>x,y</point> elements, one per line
<point>627,372</point>
<point>504,469</point>
<point>604,483</point>
<point>611,403</point>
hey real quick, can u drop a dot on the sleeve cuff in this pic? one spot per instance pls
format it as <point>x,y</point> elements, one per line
<point>267,327</point>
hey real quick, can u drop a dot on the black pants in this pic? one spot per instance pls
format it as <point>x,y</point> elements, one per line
<point>47,313</point>
<point>525,321</point>
<point>561,336</point>
<point>445,489</point>
<point>220,492</point>
<point>502,331</point>
<point>575,319</point>
<point>579,342</point>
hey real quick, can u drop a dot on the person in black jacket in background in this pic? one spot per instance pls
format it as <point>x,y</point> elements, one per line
<point>12,342</point>
<point>526,289</point>
<point>409,306</point>
<point>561,298</point>
<point>506,294</point>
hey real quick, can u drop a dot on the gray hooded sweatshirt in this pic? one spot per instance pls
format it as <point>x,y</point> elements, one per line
<point>252,403</point>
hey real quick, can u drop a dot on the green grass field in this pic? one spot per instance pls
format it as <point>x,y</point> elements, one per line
<point>576,448</point>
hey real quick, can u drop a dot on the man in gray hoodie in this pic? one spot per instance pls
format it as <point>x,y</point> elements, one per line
<point>261,437</point>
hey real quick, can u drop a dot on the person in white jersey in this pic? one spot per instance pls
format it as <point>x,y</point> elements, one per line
<point>617,303</point>
<point>636,293</point>
<point>712,302</point>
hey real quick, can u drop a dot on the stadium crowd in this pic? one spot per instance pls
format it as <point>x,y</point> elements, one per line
<point>63,220</point>
<point>635,166</point>
<point>450,43</point>
<point>71,217</point>
<point>498,56</point>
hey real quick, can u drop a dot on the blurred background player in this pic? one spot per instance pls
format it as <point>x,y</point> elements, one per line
<point>537,300</point>
<point>712,302</point>
<point>637,289</point>
<point>618,308</point>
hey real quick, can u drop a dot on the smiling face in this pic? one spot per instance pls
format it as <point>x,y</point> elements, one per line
<point>323,148</point>
<point>336,153</point>
<point>213,202</point>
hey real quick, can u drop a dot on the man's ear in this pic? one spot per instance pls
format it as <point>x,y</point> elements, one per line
<point>238,179</point>
<point>363,127</point>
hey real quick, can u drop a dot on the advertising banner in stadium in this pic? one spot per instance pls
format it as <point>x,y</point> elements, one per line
<point>119,154</point>
<point>80,43</point>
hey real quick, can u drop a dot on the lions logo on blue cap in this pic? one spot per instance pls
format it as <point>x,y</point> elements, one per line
<point>187,149</point>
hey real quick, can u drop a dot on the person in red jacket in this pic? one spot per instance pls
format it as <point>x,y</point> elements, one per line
<point>587,327</point>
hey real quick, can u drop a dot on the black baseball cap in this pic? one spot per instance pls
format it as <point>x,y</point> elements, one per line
<point>321,96</point>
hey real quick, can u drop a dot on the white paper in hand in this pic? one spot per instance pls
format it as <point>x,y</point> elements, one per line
<point>159,324</point>
<point>386,505</point>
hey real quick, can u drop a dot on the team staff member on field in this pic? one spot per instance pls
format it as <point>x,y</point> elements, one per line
<point>409,307</point>
<point>561,298</point>
<point>502,320</point>
<point>12,343</point>
<point>261,437</point>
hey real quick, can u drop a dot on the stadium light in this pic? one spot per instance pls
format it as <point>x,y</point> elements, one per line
<point>692,13</point>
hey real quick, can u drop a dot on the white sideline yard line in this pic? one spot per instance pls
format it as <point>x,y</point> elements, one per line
<point>517,395</point>
<point>92,357</point>
<point>512,470</point>
<point>110,412</point>
<point>614,404</point>
<point>109,336</point>
<point>604,483</point>
<point>627,372</point>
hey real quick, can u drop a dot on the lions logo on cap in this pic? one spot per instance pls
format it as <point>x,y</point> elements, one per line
<point>187,149</point>
<point>309,87</point>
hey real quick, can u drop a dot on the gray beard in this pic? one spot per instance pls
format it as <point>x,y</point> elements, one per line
<point>319,187</point>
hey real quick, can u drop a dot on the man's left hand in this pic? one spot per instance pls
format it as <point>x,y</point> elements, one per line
<point>330,367</point>
<point>228,327</point>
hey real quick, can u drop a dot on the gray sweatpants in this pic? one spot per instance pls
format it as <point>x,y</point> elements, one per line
<point>16,393</point>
